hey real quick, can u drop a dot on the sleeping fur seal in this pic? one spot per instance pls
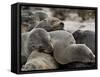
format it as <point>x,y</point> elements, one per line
<point>61,38</point>
<point>39,61</point>
<point>75,53</point>
<point>37,38</point>
<point>51,24</point>
<point>85,37</point>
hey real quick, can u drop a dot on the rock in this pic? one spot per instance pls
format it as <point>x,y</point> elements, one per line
<point>38,16</point>
<point>39,61</point>
<point>23,60</point>
<point>41,15</point>
<point>26,12</point>
<point>76,65</point>
<point>31,20</point>
<point>60,13</point>
<point>75,53</point>
<point>85,37</point>
<point>28,17</point>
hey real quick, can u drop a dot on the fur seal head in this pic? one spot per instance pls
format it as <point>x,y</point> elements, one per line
<point>37,38</point>
<point>51,24</point>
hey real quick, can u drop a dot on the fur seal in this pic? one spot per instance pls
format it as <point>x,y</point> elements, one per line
<point>51,24</point>
<point>39,61</point>
<point>37,38</point>
<point>85,37</point>
<point>75,53</point>
<point>61,39</point>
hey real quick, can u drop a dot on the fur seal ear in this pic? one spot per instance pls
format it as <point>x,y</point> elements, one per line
<point>75,53</point>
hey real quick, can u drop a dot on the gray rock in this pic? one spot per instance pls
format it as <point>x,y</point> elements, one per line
<point>41,15</point>
<point>28,17</point>
<point>31,20</point>
<point>36,18</point>
<point>76,65</point>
